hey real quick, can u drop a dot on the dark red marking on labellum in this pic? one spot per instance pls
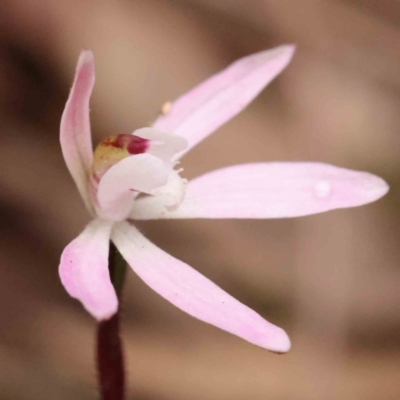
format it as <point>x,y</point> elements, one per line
<point>137,145</point>
<point>114,149</point>
<point>133,144</point>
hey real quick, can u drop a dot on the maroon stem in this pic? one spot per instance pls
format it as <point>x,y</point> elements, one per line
<point>110,360</point>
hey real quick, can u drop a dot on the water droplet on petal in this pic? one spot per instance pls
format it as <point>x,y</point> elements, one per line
<point>322,189</point>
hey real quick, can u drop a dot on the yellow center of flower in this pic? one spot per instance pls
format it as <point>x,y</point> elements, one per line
<point>114,149</point>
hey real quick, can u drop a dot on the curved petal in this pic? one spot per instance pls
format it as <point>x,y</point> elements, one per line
<point>75,134</point>
<point>269,190</point>
<point>117,187</point>
<point>84,270</point>
<point>205,108</point>
<point>193,293</point>
<point>161,144</point>
<point>171,195</point>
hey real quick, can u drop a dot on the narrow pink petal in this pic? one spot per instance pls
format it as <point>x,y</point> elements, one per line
<point>75,133</point>
<point>205,108</point>
<point>118,186</point>
<point>190,291</point>
<point>269,190</point>
<point>84,270</point>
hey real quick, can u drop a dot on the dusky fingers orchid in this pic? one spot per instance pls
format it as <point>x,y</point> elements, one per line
<point>123,166</point>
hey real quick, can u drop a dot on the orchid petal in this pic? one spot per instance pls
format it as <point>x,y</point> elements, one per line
<point>269,190</point>
<point>75,136</point>
<point>190,291</point>
<point>172,193</point>
<point>205,108</point>
<point>118,186</point>
<point>84,270</point>
<point>161,144</point>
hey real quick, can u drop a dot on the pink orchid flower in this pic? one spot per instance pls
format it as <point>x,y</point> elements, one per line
<point>123,166</point>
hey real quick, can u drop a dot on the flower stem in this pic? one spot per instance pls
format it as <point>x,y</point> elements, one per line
<point>110,360</point>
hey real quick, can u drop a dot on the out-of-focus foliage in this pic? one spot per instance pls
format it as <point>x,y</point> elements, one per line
<point>330,280</point>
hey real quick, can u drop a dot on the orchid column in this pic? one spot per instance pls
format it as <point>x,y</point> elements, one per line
<point>124,166</point>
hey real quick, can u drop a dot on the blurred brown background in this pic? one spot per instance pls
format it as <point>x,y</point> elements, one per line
<point>330,280</point>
